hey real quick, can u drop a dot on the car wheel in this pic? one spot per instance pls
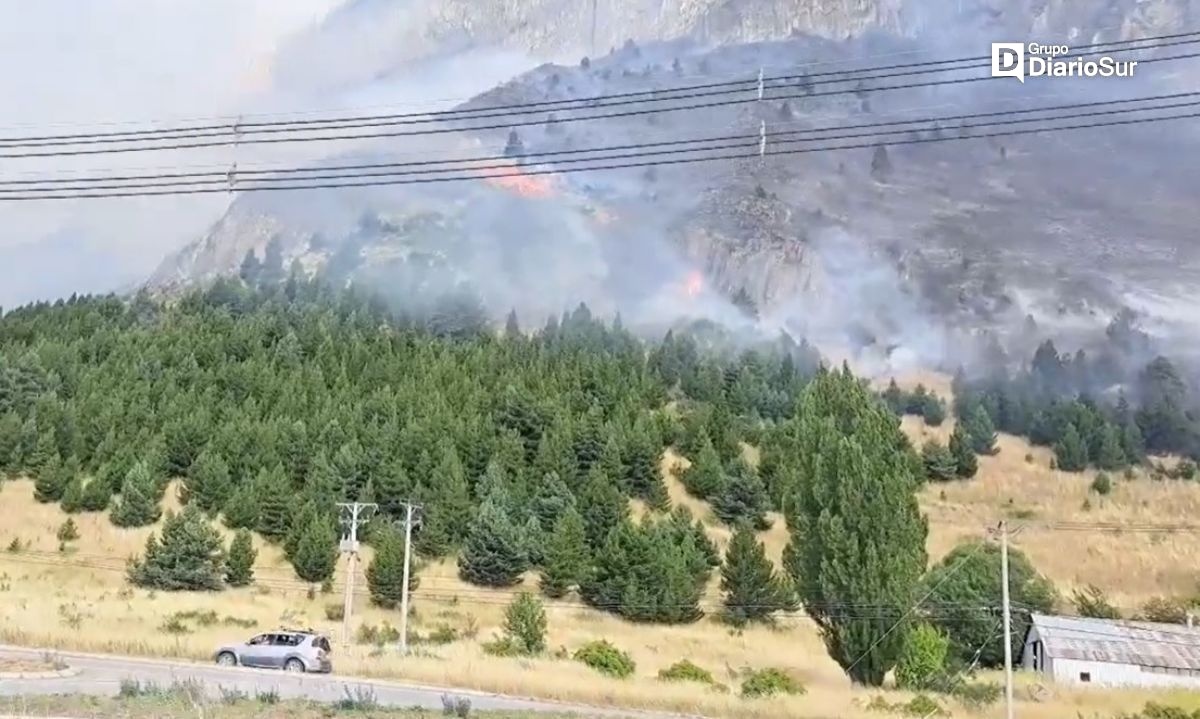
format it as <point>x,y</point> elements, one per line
<point>227,659</point>
<point>293,665</point>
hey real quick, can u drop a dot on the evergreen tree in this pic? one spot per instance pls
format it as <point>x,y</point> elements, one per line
<point>980,431</point>
<point>393,489</point>
<point>567,556</point>
<point>45,451</point>
<point>752,590</point>
<point>241,509</point>
<point>525,625</point>
<point>136,507</point>
<point>72,499</point>
<point>551,499</point>
<point>275,504</point>
<point>602,507</point>
<point>316,551</point>
<point>643,476</point>
<point>743,498</point>
<point>966,464</point>
<point>494,553</point>
<point>448,510</point>
<point>239,569</point>
<point>189,557</point>
<point>10,442</point>
<point>858,536</point>
<point>940,463</point>
<point>1070,452</point>
<point>1110,455</point>
<point>97,494</point>
<point>208,484</point>
<point>705,477</point>
<point>385,573</point>
<point>51,479</point>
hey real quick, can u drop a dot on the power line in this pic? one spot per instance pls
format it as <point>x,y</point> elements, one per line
<point>234,137</point>
<point>78,193</point>
<point>654,95</point>
<point>222,176</point>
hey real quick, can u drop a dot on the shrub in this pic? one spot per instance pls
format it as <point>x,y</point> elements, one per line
<point>378,635</point>
<point>68,532</point>
<point>335,612</point>
<point>443,634</point>
<point>1102,484</point>
<point>174,625</point>
<point>977,695</point>
<point>267,696</point>
<point>456,706</point>
<point>924,658</point>
<point>362,699</point>
<point>606,659</point>
<point>769,682</point>
<point>922,706</point>
<point>685,671</point>
<point>525,624</point>
<point>1091,602</point>
<point>502,647</point>
<point>1165,610</point>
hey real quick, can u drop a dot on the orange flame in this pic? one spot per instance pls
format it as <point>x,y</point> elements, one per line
<point>512,179</point>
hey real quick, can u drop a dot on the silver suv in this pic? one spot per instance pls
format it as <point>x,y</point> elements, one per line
<point>290,650</point>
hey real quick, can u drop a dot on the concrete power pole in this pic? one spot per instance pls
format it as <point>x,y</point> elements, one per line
<point>409,522</point>
<point>1008,668</point>
<point>353,515</point>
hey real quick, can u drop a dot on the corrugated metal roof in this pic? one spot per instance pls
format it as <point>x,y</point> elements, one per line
<point>1146,644</point>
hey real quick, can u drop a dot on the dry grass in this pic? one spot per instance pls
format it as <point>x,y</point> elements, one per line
<point>46,602</point>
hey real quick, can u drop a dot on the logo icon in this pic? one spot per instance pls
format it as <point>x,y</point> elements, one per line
<point>1008,60</point>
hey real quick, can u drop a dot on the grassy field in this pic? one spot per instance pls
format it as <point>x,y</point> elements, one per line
<point>183,705</point>
<point>78,599</point>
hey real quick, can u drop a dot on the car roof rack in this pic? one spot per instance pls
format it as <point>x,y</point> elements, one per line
<point>297,631</point>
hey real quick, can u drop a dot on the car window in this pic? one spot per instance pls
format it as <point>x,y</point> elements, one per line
<point>323,644</point>
<point>260,639</point>
<point>284,640</point>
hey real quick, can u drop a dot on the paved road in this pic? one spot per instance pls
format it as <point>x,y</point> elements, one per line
<point>101,675</point>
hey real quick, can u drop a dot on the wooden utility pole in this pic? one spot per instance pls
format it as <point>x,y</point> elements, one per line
<point>353,514</point>
<point>593,51</point>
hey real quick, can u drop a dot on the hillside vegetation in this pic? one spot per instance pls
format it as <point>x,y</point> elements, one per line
<point>661,498</point>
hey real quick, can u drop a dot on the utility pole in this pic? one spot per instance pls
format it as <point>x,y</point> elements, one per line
<point>409,509</point>
<point>1008,669</point>
<point>352,515</point>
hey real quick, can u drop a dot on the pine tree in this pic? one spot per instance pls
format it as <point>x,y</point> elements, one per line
<point>940,463</point>
<point>45,450</point>
<point>752,589</point>
<point>1070,452</point>
<point>316,551</point>
<point>567,555</point>
<point>494,553</point>
<point>72,498</point>
<point>274,503</point>
<point>551,499</point>
<point>136,507</point>
<point>51,479</point>
<point>189,557</point>
<point>241,509</point>
<point>208,484</point>
<point>10,442</point>
<point>393,489</point>
<point>385,573</point>
<point>1111,455</point>
<point>448,508</point>
<point>705,477</point>
<point>602,507</point>
<point>857,532</point>
<point>743,498</point>
<point>97,494</point>
<point>966,464</point>
<point>525,625</point>
<point>239,569</point>
<point>980,431</point>
<point>643,475</point>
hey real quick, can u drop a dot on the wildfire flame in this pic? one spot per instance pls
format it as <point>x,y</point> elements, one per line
<point>512,179</point>
<point>693,284</point>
